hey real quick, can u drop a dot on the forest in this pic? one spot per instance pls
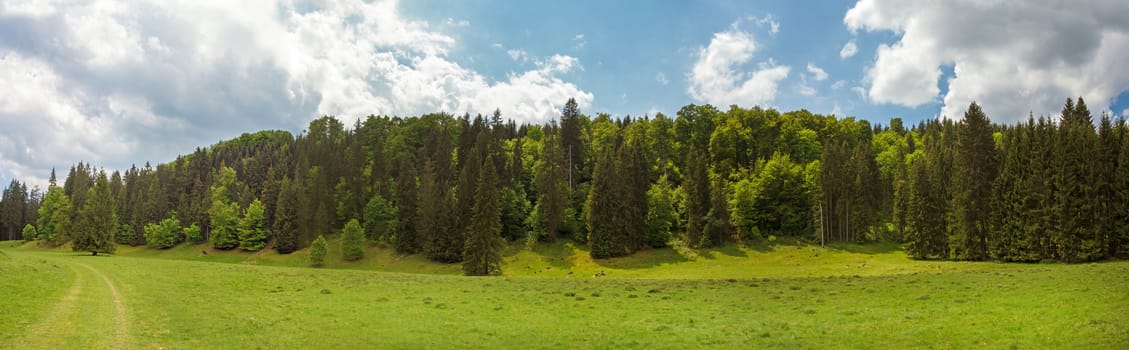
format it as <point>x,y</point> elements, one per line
<point>458,189</point>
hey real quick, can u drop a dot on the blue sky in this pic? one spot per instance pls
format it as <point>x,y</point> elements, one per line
<point>119,83</point>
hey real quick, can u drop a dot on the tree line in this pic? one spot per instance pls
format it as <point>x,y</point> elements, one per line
<point>457,188</point>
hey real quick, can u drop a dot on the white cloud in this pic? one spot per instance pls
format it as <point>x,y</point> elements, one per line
<point>849,49</point>
<point>578,41</point>
<point>839,84</point>
<point>806,90</point>
<point>661,79</point>
<point>1012,57</point>
<point>461,23</point>
<point>818,74</point>
<point>1125,113</point>
<point>770,20</point>
<point>518,55</point>
<point>718,77</point>
<point>127,82</point>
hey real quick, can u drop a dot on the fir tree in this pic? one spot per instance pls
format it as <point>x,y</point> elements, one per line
<point>286,218</point>
<point>407,195</point>
<point>96,220</point>
<point>602,212</point>
<point>697,187</point>
<point>974,171</point>
<point>482,254</point>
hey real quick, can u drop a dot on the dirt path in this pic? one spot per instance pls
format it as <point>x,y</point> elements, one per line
<point>71,320</point>
<point>39,335</point>
<point>121,324</point>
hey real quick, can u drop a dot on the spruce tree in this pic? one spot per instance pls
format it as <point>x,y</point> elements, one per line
<point>974,171</point>
<point>482,252</point>
<point>97,221</point>
<point>552,186</point>
<point>407,196</point>
<point>1073,237</point>
<point>603,214</point>
<point>697,187</point>
<point>352,241</point>
<point>286,218</point>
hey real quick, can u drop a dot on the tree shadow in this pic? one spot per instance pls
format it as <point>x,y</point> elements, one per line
<point>643,259</point>
<point>733,250</point>
<point>557,254</point>
<point>865,248</point>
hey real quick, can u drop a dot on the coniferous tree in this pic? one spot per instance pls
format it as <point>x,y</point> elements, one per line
<point>552,187</point>
<point>253,234</point>
<point>97,221</point>
<point>924,232</point>
<point>482,254</point>
<point>352,241</point>
<point>318,251</point>
<point>1074,238</point>
<point>286,218</point>
<point>697,187</point>
<point>974,171</point>
<point>407,196</point>
<point>1011,201</point>
<point>1119,243</point>
<point>604,218</point>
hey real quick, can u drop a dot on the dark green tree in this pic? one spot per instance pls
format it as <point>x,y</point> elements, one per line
<point>604,218</point>
<point>97,221</point>
<point>482,254</point>
<point>696,183</point>
<point>286,218</point>
<point>407,196</point>
<point>974,170</point>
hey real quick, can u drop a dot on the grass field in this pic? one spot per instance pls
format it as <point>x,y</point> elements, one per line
<point>783,296</point>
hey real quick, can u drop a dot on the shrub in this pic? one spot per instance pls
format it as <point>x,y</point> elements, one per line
<point>317,251</point>
<point>352,241</point>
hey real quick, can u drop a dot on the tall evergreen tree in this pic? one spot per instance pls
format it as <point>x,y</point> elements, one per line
<point>97,221</point>
<point>696,183</point>
<point>974,171</point>
<point>1074,238</point>
<point>552,187</point>
<point>286,218</point>
<point>482,254</point>
<point>407,196</point>
<point>603,213</point>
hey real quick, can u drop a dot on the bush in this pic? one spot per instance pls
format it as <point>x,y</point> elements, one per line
<point>192,234</point>
<point>317,251</point>
<point>29,232</point>
<point>165,234</point>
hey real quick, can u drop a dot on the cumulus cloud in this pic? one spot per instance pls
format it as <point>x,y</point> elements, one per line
<point>817,74</point>
<point>661,79</point>
<point>718,76</point>
<point>115,83</point>
<point>1012,57</point>
<point>849,49</point>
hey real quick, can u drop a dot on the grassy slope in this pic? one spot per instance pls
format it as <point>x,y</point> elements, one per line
<point>732,298</point>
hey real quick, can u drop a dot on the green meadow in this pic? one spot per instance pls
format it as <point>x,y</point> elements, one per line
<point>554,296</point>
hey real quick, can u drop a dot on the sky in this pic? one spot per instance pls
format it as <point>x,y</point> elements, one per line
<point>116,83</point>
